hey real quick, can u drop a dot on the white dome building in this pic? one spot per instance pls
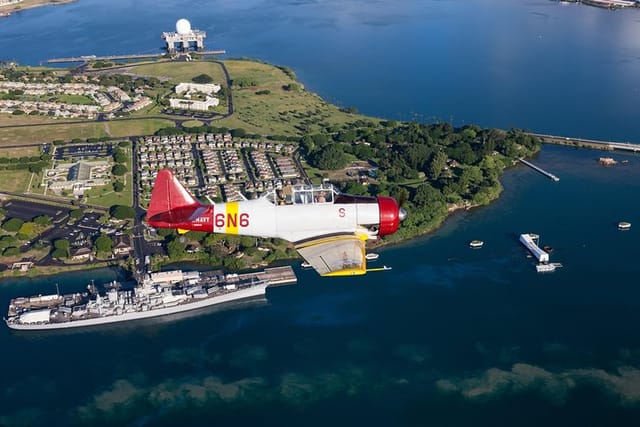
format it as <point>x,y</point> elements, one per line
<point>185,38</point>
<point>183,26</point>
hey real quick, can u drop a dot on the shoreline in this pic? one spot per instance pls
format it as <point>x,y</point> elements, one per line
<point>30,4</point>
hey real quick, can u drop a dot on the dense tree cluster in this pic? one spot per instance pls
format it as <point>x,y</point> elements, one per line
<point>243,82</point>
<point>429,168</point>
<point>202,79</point>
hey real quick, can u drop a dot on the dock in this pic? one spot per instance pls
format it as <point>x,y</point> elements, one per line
<point>88,58</point>
<point>277,276</point>
<point>539,169</point>
<point>530,241</point>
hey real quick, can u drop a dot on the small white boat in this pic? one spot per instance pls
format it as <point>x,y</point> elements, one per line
<point>624,225</point>
<point>372,256</point>
<point>476,244</point>
<point>305,265</point>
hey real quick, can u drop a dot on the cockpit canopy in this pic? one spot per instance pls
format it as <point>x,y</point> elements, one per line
<point>303,194</point>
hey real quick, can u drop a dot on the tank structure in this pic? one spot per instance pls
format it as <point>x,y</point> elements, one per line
<point>184,38</point>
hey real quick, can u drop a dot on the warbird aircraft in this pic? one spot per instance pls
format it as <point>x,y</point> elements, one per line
<point>329,229</point>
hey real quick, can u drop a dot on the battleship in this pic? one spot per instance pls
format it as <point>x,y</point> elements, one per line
<point>158,294</point>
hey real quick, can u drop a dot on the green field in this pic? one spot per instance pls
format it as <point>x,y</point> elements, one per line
<point>16,152</point>
<point>192,123</point>
<point>38,133</point>
<point>74,99</point>
<point>142,126</point>
<point>179,72</point>
<point>105,196</point>
<point>47,133</point>
<point>15,181</point>
<point>280,111</point>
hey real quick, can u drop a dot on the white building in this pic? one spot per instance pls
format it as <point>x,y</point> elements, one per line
<point>188,104</point>
<point>208,89</point>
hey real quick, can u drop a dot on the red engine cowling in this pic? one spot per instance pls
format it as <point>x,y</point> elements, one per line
<point>389,215</point>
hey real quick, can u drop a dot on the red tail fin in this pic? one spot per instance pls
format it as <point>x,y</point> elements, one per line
<point>170,202</point>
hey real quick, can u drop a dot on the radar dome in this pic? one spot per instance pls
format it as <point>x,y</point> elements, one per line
<point>183,26</point>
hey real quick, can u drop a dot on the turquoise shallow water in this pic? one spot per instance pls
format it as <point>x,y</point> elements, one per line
<point>450,336</point>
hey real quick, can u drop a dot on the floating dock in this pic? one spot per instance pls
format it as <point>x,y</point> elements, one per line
<point>539,169</point>
<point>530,241</point>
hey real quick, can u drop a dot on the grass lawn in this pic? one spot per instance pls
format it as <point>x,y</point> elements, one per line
<point>182,71</point>
<point>24,119</point>
<point>13,153</point>
<point>192,123</point>
<point>278,112</point>
<point>105,196</point>
<point>136,127</point>
<point>15,181</point>
<point>74,99</point>
<point>47,133</point>
<point>47,130</point>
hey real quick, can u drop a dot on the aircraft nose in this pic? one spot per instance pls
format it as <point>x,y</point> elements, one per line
<point>402,214</point>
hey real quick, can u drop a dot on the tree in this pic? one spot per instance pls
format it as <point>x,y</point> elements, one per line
<point>119,169</point>
<point>122,212</point>
<point>355,187</point>
<point>118,186</point>
<point>238,133</point>
<point>292,87</point>
<point>36,167</point>
<point>119,156</point>
<point>202,79</point>
<point>12,224</point>
<point>27,229</point>
<point>76,213</point>
<point>42,220</point>
<point>11,251</point>
<point>329,157</point>
<point>175,249</point>
<point>103,243</point>
<point>6,241</point>
<point>61,248</point>
<point>437,165</point>
<point>426,195</point>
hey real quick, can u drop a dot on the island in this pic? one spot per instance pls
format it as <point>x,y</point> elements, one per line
<point>9,6</point>
<point>79,149</point>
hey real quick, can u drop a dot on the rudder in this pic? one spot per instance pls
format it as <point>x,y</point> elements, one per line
<point>169,199</point>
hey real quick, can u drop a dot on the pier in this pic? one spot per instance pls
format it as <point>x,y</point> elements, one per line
<point>277,276</point>
<point>589,143</point>
<point>539,169</point>
<point>87,58</point>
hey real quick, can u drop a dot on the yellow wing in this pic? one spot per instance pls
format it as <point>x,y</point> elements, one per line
<point>342,255</point>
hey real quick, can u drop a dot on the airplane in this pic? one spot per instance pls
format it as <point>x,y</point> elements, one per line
<point>328,228</point>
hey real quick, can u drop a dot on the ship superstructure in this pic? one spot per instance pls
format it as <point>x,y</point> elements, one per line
<point>158,294</point>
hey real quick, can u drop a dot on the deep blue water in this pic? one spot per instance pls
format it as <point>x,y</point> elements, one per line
<point>450,336</point>
<point>535,64</point>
